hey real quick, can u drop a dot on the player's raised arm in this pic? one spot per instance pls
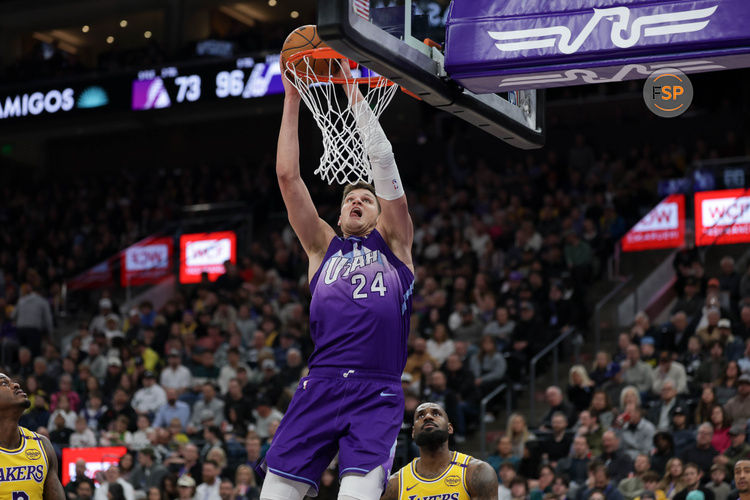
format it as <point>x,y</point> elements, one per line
<point>481,480</point>
<point>313,232</point>
<point>53,489</point>
<point>395,222</point>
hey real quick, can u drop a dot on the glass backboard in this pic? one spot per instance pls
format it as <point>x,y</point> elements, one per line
<point>404,41</point>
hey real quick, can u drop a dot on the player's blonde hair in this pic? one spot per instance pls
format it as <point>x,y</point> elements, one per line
<point>360,185</point>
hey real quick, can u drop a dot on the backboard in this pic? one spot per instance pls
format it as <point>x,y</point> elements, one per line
<point>389,37</point>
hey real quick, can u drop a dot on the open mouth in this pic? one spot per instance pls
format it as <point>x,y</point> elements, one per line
<point>356,212</point>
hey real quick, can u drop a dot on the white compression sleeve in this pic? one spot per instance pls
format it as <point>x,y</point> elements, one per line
<point>384,170</point>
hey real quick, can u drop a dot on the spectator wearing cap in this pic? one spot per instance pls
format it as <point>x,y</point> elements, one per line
<point>148,473</point>
<point>229,370</point>
<point>175,375</point>
<point>113,375</point>
<point>33,318</point>
<point>718,484</point>
<point>648,352</point>
<point>617,462</point>
<point>692,358</point>
<point>637,434</point>
<point>173,409</point>
<point>208,402</point>
<point>738,408</point>
<point>739,448</point>
<point>733,347</point>
<point>264,414</point>
<point>692,476</point>
<point>635,371</point>
<point>701,453</point>
<point>683,435</point>
<point>708,327</point>
<point>151,397</point>
<point>99,322</point>
<point>270,386</point>
<point>205,370</point>
<point>669,370</point>
<point>185,487</point>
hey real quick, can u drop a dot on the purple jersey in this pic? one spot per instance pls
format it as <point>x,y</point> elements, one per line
<point>361,305</point>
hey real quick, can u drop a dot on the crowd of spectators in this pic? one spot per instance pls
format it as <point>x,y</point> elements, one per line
<point>505,253</point>
<point>663,417</point>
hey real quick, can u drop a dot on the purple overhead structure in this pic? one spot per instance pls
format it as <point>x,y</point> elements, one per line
<point>500,45</point>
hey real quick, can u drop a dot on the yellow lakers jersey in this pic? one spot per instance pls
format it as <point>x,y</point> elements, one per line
<point>23,470</point>
<point>450,485</point>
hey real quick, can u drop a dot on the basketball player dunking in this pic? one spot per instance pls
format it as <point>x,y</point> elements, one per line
<point>28,464</point>
<point>439,472</point>
<point>361,283</point>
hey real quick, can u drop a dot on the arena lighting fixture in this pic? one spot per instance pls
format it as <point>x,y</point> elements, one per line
<point>272,3</point>
<point>147,34</point>
<point>110,39</point>
<point>124,23</point>
<point>85,28</point>
<point>294,14</point>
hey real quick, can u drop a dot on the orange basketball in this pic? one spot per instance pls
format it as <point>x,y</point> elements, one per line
<point>305,38</point>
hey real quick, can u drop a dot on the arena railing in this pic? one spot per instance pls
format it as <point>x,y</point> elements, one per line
<point>555,366</point>
<point>483,411</point>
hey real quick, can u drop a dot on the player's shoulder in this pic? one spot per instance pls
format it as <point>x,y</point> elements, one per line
<point>393,487</point>
<point>481,478</point>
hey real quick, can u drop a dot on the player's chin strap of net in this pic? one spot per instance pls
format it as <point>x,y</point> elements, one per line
<point>348,131</point>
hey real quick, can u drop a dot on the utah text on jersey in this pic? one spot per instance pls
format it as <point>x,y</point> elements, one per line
<point>686,21</point>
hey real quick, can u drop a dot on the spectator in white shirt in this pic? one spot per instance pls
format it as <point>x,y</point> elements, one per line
<point>175,375</point>
<point>439,347</point>
<point>113,476</point>
<point>83,437</point>
<point>151,396</point>
<point>209,488</point>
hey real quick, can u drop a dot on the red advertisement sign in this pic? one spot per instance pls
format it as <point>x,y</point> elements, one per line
<point>97,459</point>
<point>662,227</point>
<point>206,252</point>
<point>722,217</point>
<point>99,276</point>
<point>147,261</point>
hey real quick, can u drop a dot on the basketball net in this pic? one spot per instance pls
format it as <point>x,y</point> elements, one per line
<point>344,125</point>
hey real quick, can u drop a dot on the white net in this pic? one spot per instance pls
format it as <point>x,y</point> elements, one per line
<point>344,159</point>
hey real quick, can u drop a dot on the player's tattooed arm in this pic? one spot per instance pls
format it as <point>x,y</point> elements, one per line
<point>482,480</point>
<point>391,491</point>
<point>53,489</point>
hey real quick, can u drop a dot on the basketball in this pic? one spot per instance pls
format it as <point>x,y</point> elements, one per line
<point>305,38</point>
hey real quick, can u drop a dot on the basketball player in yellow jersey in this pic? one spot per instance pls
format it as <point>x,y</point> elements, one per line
<point>438,473</point>
<point>28,464</point>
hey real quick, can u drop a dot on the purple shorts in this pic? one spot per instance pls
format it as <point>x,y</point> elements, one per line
<point>356,413</point>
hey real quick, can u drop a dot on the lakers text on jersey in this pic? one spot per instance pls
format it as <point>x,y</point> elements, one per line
<point>24,469</point>
<point>450,485</point>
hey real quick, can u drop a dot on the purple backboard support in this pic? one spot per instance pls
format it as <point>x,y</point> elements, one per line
<point>494,45</point>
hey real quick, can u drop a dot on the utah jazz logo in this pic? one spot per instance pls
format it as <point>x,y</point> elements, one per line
<point>686,21</point>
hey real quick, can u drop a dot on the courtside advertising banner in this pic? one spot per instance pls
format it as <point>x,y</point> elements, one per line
<point>206,252</point>
<point>662,227</point>
<point>97,459</point>
<point>146,262</point>
<point>722,217</point>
